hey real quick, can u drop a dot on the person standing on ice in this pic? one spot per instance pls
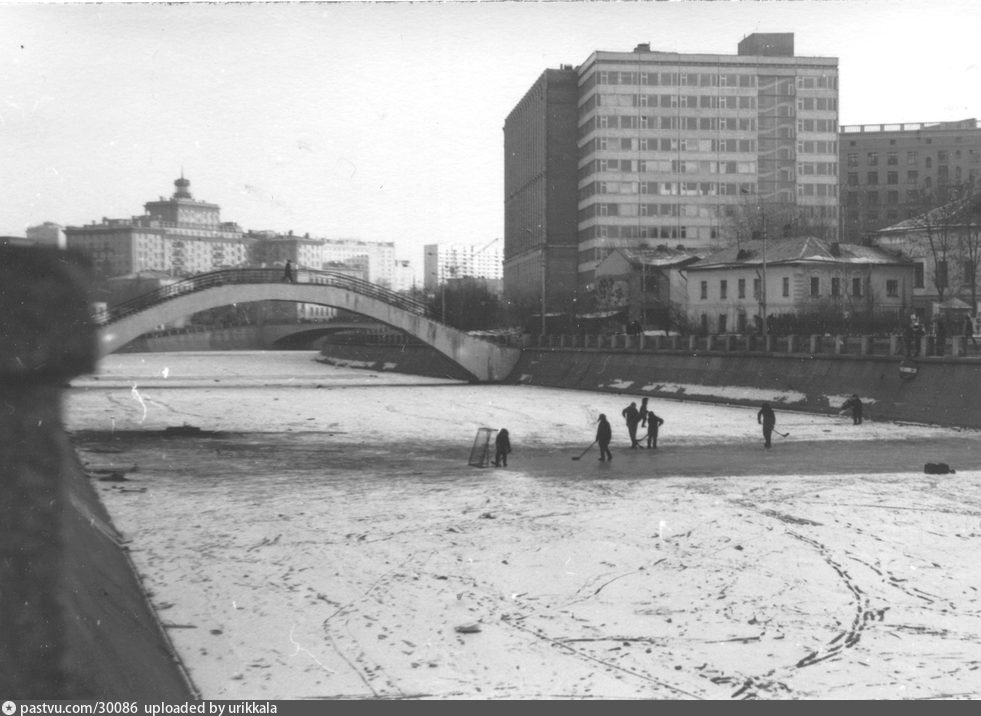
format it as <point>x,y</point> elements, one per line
<point>653,423</point>
<point>502,446</point>
<point>854,404</point>
<point>604,433</point>
<point>766,417</point>
<point>633,420</point>
<point>643,412</point>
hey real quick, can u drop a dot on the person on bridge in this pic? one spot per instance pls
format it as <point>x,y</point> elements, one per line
<point>766,417</point>
<point>604,433</point>
<point>633,420</point>
<point>653,423</point>
<point>288,272</point>
<point>854,404</point>
<point>502,446</point>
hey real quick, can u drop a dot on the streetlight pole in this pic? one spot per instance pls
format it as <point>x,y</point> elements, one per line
<point>544,276</point>
<point>763,287</point>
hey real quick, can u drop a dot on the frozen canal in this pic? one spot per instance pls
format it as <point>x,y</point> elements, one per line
<point>330,539</point>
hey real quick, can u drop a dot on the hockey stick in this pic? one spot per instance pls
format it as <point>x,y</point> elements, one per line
<point>576,457</point>
<point>783,435</point>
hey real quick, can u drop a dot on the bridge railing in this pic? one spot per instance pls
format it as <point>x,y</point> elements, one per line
<point>200,282</point>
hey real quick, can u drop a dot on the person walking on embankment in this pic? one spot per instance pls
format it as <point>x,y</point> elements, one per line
<point>288,272</point>
<point>604,433</point>
<point>766,418</point>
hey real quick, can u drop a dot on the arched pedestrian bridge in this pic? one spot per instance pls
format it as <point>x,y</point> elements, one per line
<point>122,323</point>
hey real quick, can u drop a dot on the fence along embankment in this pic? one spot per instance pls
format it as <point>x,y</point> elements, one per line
<point>942,391</point>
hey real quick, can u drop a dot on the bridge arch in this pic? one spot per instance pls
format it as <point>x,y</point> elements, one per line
<point>117,326</point>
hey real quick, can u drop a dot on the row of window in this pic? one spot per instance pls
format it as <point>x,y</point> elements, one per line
<point>604,231</point>
<point>912,157</point>
<point>646,210</point>
<point>686,188</point>
<point>666,144</point>
<point>783,85</point>
<point>826,190</point>
<point>670,101</point>
<point>671,79</point>
<point>836,287</point>
<point>665,122</point>
<point>912,177</point>
<point>817,147</point>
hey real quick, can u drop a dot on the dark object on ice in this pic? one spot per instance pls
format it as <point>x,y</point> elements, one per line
<point>114,476</point>
<point>938,468</point>
<point>184,429</point>
<point>468,628</point>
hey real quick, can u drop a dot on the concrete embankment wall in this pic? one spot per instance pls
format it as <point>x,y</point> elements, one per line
<point>403,358</point>
<point>944,391</point>
<point>218,339</point>
<point>74,619</point>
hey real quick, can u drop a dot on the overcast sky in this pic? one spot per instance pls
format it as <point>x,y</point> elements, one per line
<point>381,121</point>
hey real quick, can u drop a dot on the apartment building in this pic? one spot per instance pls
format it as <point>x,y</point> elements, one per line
<point>444,262</point>
<point>888,171</point>
<point>380,256</point>
<point>178,235</point>
<point>47,234</point>
<point>672,148</point>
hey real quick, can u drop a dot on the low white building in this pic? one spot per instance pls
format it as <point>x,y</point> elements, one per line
<point>726,289</point>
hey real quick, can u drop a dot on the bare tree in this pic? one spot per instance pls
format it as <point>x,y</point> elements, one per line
<point>751,220</point>
<point>937,218</point>
<point>970,246</point>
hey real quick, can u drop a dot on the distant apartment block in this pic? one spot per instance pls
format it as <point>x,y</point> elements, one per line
<point>671,149</point>
<point>47,234</point>
<point>380,256</point>
<point>444,262</point>
<point>180,236</point>
<point>885,166</point>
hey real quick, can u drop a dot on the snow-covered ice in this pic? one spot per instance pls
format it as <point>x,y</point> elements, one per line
<point>328,542</point>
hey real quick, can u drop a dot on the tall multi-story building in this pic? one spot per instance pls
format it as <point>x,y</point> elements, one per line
<point>540,194</point>
<point>444,262</point>
<point>888,171</point>
<point>674,148</point>
<point>179,235</point>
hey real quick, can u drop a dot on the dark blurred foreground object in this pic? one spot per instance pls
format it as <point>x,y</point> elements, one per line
<point>74,620</point>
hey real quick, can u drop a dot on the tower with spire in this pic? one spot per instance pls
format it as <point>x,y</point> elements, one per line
<point>181,208</point>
